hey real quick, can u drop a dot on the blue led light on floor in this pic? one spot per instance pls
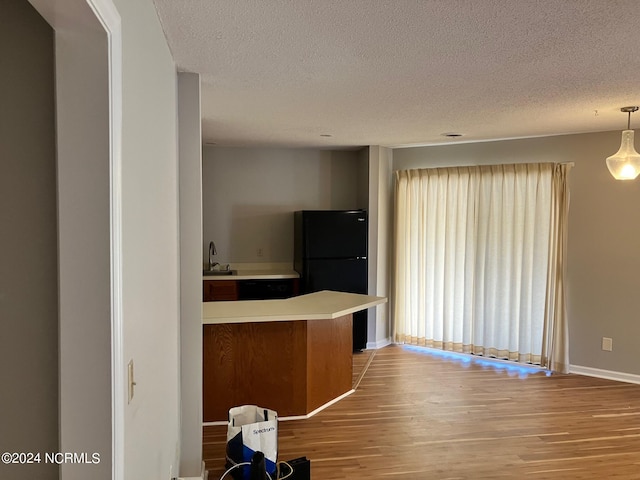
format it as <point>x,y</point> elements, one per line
<point>512,369</point>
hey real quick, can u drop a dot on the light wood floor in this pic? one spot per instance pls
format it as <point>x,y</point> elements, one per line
<point>417,416</point>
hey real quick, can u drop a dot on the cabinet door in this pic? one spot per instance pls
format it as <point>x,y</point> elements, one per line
<point>219,290</point>
<point>207,291</point>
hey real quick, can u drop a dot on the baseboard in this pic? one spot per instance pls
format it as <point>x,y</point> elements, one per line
<point>204,475</point>
<point>317,410</point>
<point>607,374</point>
<point>379,344</point>
<point>293,417</point>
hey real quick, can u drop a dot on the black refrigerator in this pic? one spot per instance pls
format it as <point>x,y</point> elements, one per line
<point>330,253</point>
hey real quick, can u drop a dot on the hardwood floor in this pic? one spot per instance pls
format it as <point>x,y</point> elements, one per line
<point>419,416</point>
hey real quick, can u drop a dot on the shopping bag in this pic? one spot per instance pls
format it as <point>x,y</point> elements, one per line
<point>252,429</point>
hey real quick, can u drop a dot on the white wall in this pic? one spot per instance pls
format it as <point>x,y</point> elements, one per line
<point>190,147</point>
<point>249,195</point>
<point>150,243</point>
<point>604,227</point>
<point>28,242</point>
<point>380,236</point>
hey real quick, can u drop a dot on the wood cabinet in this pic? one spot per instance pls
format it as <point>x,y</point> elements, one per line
<point>219,290</point>
<point>293,367</point>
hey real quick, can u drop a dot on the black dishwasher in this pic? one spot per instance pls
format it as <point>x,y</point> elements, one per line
<point>265,289</point>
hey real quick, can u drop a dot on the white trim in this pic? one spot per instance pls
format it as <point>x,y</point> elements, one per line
<point>294,417</point>
<point>319,409</point>
<point>379,344</point>
<point>106,12</point>
<point>214,424</point>
<point>607,374</point>
<point>177,460</point>
<point>204,475</point>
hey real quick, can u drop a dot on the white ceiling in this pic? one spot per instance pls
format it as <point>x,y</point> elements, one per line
<point>283,73</point>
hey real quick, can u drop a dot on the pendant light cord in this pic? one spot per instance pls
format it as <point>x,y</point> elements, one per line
<point>629,111</point>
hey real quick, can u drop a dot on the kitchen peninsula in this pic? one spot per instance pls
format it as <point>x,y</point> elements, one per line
<point>293,355</point>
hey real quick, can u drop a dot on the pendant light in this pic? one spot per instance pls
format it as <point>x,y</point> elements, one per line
<point>625,163</point>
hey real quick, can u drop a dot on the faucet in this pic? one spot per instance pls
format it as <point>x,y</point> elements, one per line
<point>212,252</point>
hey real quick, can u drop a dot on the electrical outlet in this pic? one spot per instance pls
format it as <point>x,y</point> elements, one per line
<point>260,252</point>
<point>607,344</point>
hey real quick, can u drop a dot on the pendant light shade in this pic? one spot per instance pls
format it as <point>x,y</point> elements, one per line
<point>625,163</point>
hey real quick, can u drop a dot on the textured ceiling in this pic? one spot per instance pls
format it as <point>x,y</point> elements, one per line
<point>402,72</point>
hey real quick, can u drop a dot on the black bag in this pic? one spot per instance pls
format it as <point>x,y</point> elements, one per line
<point>301,469</point>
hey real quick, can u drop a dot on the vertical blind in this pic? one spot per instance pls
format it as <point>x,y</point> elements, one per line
<point>477,261</point>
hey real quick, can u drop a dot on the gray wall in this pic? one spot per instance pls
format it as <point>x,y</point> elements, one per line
<point>82,128</point>
<point>95,241</point>
<point>604,228</point>
<point>28,242</point>
<point>249,195</point>
<point>363,178</point>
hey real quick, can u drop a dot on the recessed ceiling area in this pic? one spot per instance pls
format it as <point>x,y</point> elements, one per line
<point>283,73</point>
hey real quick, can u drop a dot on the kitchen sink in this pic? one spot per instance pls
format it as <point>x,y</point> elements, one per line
<point>217,273</point>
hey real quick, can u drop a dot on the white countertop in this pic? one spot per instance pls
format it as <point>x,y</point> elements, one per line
<point>254,274</point>
<point>313,306</point>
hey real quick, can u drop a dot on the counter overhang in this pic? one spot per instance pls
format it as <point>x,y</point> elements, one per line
<point>313,306</point>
